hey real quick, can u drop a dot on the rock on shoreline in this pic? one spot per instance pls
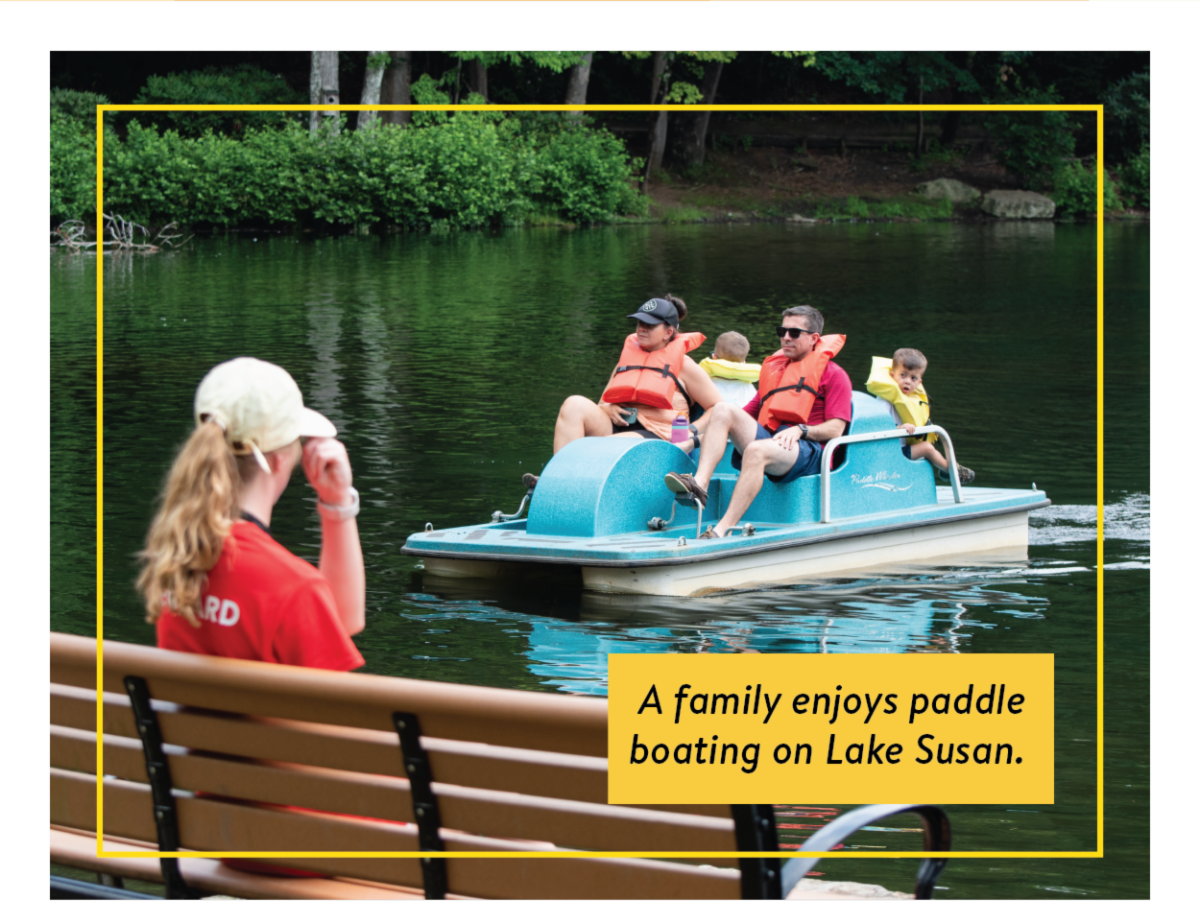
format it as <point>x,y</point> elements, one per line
<point>954,190</point>
<point>1017,203</point>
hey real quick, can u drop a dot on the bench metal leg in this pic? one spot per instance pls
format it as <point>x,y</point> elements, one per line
<point>754,828</point>
<point>935,824</point>
<point>425,807</point>
<point>165,819</point>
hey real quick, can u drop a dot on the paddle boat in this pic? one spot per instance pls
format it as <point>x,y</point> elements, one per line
<point>601,507</point>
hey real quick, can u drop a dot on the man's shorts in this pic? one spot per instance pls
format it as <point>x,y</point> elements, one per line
<point>808,459</point>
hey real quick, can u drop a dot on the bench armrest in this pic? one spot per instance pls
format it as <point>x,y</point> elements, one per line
<point>937,838</point>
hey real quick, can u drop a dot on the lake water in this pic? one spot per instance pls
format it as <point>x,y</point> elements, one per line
<point>443,360</point>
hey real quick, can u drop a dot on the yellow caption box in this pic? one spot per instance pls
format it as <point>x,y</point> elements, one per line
<point>847,728</point>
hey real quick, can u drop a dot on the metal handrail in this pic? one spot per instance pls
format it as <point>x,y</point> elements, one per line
<point>827,459</point>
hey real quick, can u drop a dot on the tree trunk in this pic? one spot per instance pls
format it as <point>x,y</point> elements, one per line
<point>323,88</point>
<point>658,69</point>
<point>920,118</point>
<point>691,151</point>
<point>397,88</point>
<point>372,84</point>
<point>477,78</point>
<point>951,120</point>
<point>658,128</point>
<point>577,85</point>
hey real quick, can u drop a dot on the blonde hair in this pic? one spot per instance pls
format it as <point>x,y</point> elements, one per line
<point>198,508</point>
<point>732,346</point>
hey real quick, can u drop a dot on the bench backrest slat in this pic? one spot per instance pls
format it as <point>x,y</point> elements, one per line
<point>511,718</point>
<point>485,812</point>
<point>539,773</point>
<point>209,825</point>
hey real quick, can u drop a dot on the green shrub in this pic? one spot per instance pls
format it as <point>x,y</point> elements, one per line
<point>472,170</point>
<point>471,177</point>
<point>586,174</point>
<point>1127,117</point>
<point>78,104</point>
<point>72,166</point>
<point>148,177</point>
<point>1032,145</point>
<point>1135,179</point>
<point>245,84</point>
<point>1074,191</point>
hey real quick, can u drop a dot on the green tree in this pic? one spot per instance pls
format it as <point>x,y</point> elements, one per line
<point>479,61</point>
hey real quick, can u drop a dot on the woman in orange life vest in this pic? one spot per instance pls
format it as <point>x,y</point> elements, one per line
<point>638,384</point>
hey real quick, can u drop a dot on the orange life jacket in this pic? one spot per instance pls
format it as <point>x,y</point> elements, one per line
<point>650,378</point>
<point>788,389</point>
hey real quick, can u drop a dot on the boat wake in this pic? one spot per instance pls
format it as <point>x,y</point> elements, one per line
<point>1126,531</point>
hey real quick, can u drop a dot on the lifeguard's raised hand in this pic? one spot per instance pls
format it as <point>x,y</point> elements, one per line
<point>327,468</point>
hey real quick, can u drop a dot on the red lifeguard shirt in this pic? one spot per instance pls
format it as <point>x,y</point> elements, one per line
<point>262,603</point>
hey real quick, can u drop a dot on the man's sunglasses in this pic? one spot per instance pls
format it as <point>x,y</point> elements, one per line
<point>792,332</point>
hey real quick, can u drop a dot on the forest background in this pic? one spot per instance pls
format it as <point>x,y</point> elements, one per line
<point>384,171</point>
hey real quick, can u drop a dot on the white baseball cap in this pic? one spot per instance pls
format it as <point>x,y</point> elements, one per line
<point>258,405</point>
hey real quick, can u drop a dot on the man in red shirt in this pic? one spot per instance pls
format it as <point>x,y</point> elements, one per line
<point>785,454</point>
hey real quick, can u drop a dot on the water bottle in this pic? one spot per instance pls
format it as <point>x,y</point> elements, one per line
<point>679,430</point>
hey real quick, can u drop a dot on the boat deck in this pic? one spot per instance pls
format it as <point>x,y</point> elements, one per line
<point>511,541</point>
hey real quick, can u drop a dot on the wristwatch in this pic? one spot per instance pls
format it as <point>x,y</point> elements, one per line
<point>803,431</point>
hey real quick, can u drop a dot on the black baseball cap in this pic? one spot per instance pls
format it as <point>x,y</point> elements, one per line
<point>657,311</point>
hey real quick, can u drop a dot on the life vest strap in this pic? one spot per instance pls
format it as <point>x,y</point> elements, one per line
<point>798,387</point>
<point>666,374</point>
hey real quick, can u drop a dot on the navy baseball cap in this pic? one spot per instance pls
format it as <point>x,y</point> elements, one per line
<point>657,311</point>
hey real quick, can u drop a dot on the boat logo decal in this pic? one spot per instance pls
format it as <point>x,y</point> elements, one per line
<point>878,480</point>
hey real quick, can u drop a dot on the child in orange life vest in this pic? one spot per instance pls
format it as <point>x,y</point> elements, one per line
<point>899,380</point>
<point>736,379</point>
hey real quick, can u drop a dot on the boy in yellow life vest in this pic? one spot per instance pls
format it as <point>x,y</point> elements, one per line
<point>899,380</point>
<point>736,379</point>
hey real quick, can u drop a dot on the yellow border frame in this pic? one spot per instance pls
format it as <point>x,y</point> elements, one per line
<point>565,854</point>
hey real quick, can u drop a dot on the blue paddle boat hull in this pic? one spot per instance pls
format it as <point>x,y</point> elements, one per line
<point>601,506</point>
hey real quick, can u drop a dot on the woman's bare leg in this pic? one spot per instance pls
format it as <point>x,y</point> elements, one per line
<point>579,417</point>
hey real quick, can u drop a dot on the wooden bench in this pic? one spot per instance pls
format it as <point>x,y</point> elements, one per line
<point>213,754</point>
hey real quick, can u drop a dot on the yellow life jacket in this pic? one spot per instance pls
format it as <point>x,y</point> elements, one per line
<point>913,408</point>
<point>727,369</point>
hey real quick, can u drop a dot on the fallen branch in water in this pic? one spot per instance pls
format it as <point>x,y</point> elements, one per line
<point>120,236</point>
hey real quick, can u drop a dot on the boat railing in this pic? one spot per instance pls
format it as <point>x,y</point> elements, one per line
<point>833,444</point>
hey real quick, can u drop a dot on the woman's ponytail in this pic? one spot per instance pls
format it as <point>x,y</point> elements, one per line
<point>199,506</point>
<point>680,307</point>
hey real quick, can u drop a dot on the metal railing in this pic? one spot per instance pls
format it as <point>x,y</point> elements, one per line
<point>827,459</point>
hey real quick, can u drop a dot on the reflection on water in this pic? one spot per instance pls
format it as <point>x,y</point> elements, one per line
<point>931,610</point>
